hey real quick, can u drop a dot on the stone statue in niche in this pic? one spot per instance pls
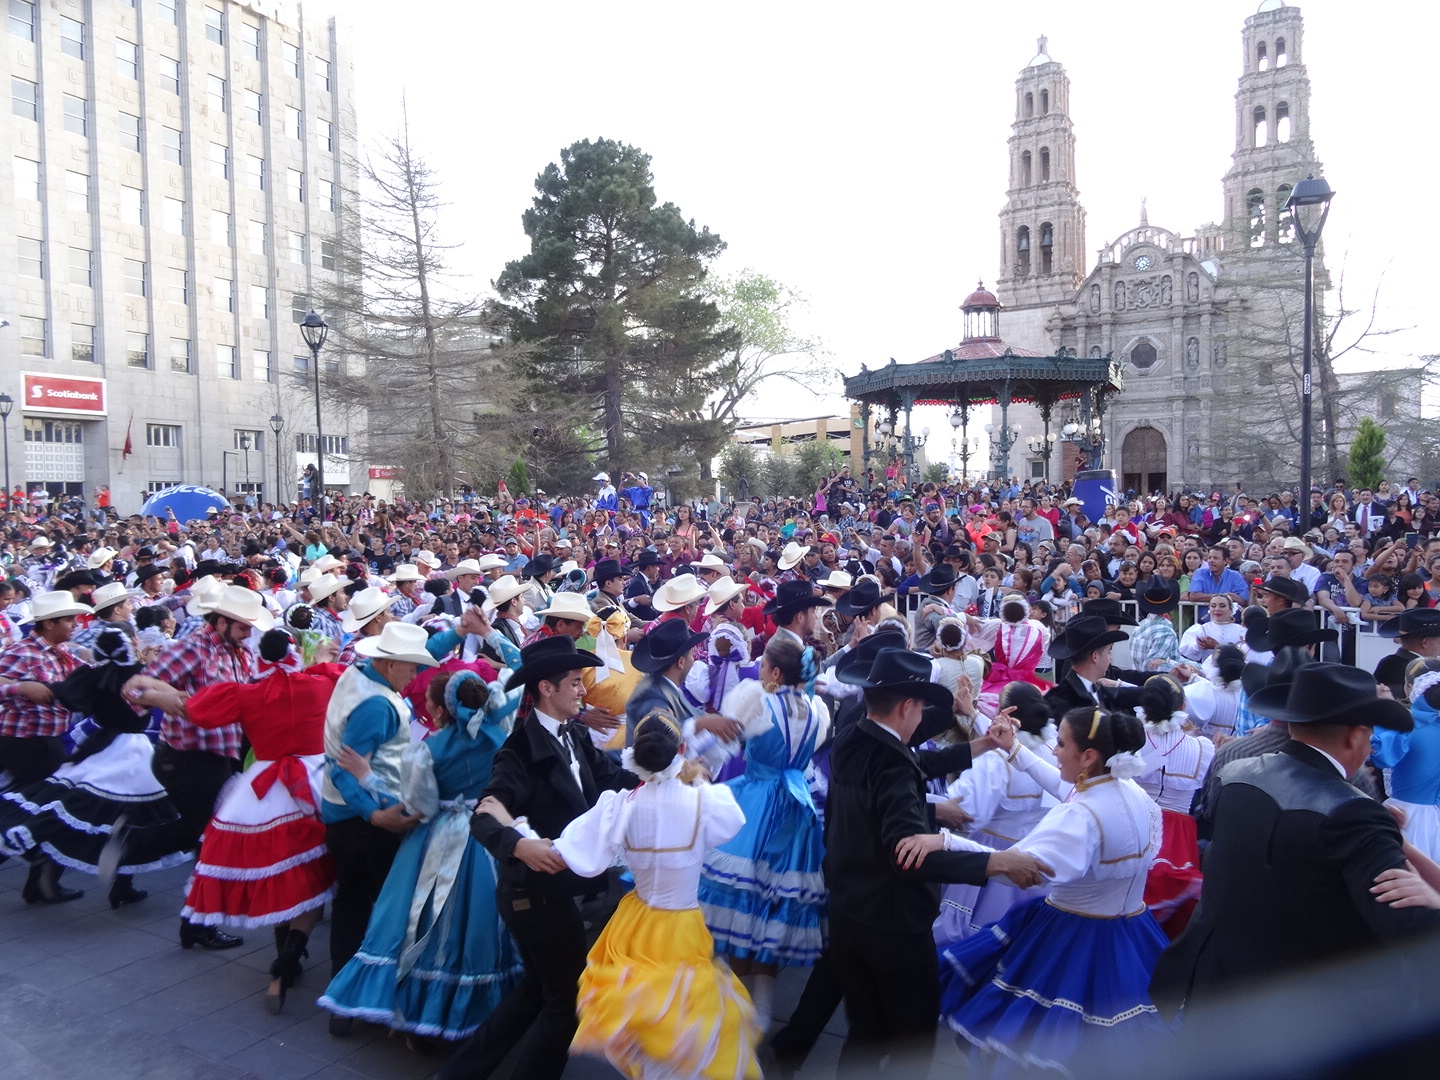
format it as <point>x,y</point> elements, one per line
<point>1095,353</point>
<point>1167,292</point>
<point>1143,294</point>
<point>1193,448</point>
<point>1119,296</point>
<point>1192,353</point>
<point>1095,299</point>
<point>1192,288</point>
<point>1218,353</point>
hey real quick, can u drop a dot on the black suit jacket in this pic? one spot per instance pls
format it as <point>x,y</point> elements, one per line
<point>1287,880</point>
<point>877,798</point>
<point>1391,671</point>
<point>1069,693</point>
<point>532,778</point>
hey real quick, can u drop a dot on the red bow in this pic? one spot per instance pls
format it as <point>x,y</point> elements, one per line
<point>289,771</point>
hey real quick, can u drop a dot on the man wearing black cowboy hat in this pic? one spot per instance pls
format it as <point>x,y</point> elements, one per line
<point>880,914</point>
<point>549,771</point>
<point>858,604</point>
<point>1085,643</point>
<point>666,655</point>
<point>939,588</point>
<point>1281,593</point>
<point>1417,632</point>
<point>641,586</point>
<point>1154,646</point>
<point>1296,850</point>
<point>1115,617</point>
<point>793,610</point>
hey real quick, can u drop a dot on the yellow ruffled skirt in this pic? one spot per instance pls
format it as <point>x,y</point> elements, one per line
<point>653,993</point>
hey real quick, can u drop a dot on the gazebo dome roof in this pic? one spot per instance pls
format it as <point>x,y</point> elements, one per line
<point>980,298</point>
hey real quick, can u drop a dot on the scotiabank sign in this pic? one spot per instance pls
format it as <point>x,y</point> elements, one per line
<point>384,472</point>
<point>57,394</point>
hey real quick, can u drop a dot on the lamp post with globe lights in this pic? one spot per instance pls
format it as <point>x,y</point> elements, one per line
<point>1308,206</point>
<point>277,425</point>
<point>315,330</point>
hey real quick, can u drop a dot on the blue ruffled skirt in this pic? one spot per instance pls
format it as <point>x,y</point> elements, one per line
<point>1042,985</point>
<point>462,960</point>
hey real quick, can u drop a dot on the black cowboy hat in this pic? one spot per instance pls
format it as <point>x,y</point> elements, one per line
<point>863,596</point>
<point>1293,626</point>
<point>793,596</point>
<point>1331,694</point>
<point>940,578</point>
<point>548,657</point>
<point>1255,677</point>
<point>605,570</point>
<point>853,666</point>
<point>145,573</point>
<point>210,568</point>
<point>540,564</point>
<point>663,645</point>
<point>1289,588</point>
<point>1084,635</point>
<point>646,558</point>
<point>1160,596</point>
<point>1412,622</point>
<point>906,673</point>
<point>1110,611</point>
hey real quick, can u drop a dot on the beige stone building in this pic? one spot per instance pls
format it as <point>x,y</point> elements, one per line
<point>175,170</point>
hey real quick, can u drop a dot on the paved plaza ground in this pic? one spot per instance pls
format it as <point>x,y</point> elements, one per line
<point>86,991</point>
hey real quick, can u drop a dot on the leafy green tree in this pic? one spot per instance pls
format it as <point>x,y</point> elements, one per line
<point>740,471</point>
<point>813,462</point>
<point>937,472</point>
<point>518,479</point>
<point>611,296</point>
<point>1367,455</point>
<point>777,473</point>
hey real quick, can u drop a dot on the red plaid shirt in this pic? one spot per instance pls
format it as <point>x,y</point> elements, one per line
<point>33,659</point>
<point>198,660</point>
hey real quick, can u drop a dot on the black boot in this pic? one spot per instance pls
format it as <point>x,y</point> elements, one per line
<point>43,885</point>
<point>285,970</point>
<point>124,892</point>
<point>281,929</point>
<point>207,937</point>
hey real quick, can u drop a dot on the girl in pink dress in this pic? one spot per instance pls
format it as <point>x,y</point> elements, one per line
<point>1018,644</point>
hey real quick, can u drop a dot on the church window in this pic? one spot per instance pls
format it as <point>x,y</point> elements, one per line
<point>1261,128</point>
<point>1022,251</point>
<point>1143,355</point>
<point>1255,208</point>
<point>1282,122</point>
<point>1026,177</point>
<point>1029,105</point>
<point>1044,102</point>
<point>1044,164</point>
<point>1285,222</point>
<point>1047,244</point>
<point>1280,56</point>
<point>1262,62</point>
<point>1389,402</point>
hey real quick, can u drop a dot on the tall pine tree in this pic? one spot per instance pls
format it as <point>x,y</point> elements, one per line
<point>1367,455</point>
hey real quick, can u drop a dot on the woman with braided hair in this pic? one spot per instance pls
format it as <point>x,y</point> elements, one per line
<point>763,892</point>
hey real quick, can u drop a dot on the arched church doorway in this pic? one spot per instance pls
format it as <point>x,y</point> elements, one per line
<point>1142,461</point>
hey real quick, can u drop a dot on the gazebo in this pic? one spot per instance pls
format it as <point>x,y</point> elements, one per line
<point>984,370</point>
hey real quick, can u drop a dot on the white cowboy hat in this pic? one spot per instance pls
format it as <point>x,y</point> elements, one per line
<point>326,563</point>
<point>55,605</point>
<point>491,561</point>
<point>504,589</point>
<point>427,557</point>
<point>721,593</point>
<point>566,605</point>
<point>406,572</point>
<point>838,579</point>
<point>711,561</point>
<point>567,566</point>
<point>676,593</point>
<point>398,641</point>
<point>204,590</point>
<point>109,595</point>
<point>39,543</point>
<point>792,554</point>
<point>243,605</point>
<point>364,606</point>
<point>464,566</point>
<point>601,477</point>
<point>310,574</point>
<point>100,556</point>
<point>325,585</point>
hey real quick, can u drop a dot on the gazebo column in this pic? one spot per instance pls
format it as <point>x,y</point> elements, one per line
<point>864,477</point>
<point>1003,460</point>
<point>908,401</point>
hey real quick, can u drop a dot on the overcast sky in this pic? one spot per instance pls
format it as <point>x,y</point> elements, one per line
<point>859,154</point>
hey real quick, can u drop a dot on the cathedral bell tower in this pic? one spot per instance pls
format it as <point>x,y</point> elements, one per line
<point>1042,227</point>
<point>1273,149</point>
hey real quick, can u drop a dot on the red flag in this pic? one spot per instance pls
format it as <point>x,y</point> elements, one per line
<point>129,443</point>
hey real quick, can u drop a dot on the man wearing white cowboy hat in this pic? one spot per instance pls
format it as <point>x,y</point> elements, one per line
<point>790,558</point>
<point>710,568</point>
<point>328,564</point>
<point>113,611</point>
<point>428,563</point>
<point>193,763</point>
<point>491,566</point>
<point>328,599</point>
<point>464,576</point>
<point>100,559</point>
<point>406,579</point>
<point>680,598</point>
<point>367,615</point>
<point>32,723</point>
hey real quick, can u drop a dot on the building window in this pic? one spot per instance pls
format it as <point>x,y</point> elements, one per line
<point>263,365</point>
<point>1282,122</point>
<point>334,444</point>
<point>135,277</point>
<point>168,13</point>
<point>1143,355</point>
<point>1047,247</point>
<point>165,435</point>
<point>219,161</point>
<point>225,362</point>
<point>215,25</point>
<point>225,294</point>
<point>1389,405</point>
<point>1044,102</point>
<point>32,257</point>
<point>1260,128</point>
<point>327,254</point>
<point>130,132</point>
<point>259,237</point>
<point>247,439</point>
<point>1284,222</point>
<point>255,171</point>
<point>27,180</point>
<point>222,231</point>
<point>24,99</point>
<point>177,286</point>
<point>82,343</point>
<point>72,37</point>
<point>32,336</point>
<point>260,301</point>
<point>173,211</point>
<point>252,106</point>
<point>294,123</point>
<point>22,19</point>
<point>1281,56</point>
<point>180,355</point>
<point>215,93</point>
<point>1255,209</point>
<point>1026,173</point>
<point>249,40</point>
<point>291,53</point>
<point>327,135</point>
<point>169,69</point>
<point>77,192</point>
<point>299,308</point>
<point>327,195</point>
<point>322,72</point>
<point>174,145</point>
<point>127,58</point>
<point>156,486</point>
<point>53,431</point>
<point>132,205</point>
<point>1022,251</point>
<point>82,267</point>
<point>77,114</point>
<point>1044,164</point>
<point>302,371</point>
<point>295,184</point>
<point>1262,62</point>
<point>137,350</point>
<point>297,248</point>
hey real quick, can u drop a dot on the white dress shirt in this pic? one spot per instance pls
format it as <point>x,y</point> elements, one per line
<point>550,724</point>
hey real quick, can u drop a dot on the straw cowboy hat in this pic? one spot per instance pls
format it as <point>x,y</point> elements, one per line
<point>463,567</point>
<point>243,605</point>
<point>721,593</point>
<point>567,605</point>
<point>364,606</point>
<point>99,557</point>
<point>202,592</point>
<point>676,593</point>
<point>792,554</point>
<point>327,585</point>
<point>406,572</point>
<point>504,589</point>
<point>40,543</point>
<point>55,605</point>
<point>398,641</point>
<point>837,579</point>
<point>711,561</point>
<point>490,561</point>
<point>326,563</point>
<point>426,557</point>
<point>109,595</point>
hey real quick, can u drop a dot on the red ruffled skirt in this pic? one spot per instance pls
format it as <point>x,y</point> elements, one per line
<point>1172,887</point>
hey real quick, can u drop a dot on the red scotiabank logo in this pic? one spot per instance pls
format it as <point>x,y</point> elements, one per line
<point>54,393</point>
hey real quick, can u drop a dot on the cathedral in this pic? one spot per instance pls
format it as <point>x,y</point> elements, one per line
<point>1207,326</point>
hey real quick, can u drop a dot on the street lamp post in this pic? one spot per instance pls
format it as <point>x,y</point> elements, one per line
<point>315,330</point>
<point>225,456</point>
<point>1309,206</point>
<point>6,404</point>
<point>277,425</point>
<point>1041,446</point>
<point>245,448</point>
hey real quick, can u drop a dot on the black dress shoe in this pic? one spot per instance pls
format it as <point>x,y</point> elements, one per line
<point>207,937</point>
<point>123,892</point>
<point>42,886</point>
